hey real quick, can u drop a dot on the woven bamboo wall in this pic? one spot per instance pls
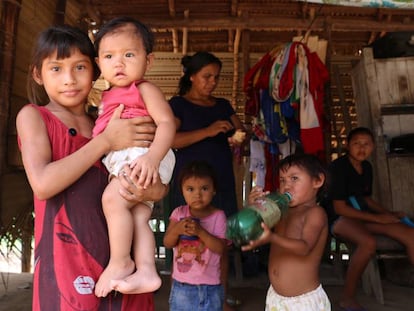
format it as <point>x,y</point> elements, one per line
<point>166,73</point>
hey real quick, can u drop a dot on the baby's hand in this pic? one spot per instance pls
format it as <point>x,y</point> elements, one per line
<point>147,170</point>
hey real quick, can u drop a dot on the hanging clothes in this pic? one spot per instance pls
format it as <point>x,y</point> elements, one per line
<point>285,94</point>
<point>298,77</point>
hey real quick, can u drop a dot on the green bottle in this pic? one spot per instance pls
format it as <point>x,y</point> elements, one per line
<point>245,225</point>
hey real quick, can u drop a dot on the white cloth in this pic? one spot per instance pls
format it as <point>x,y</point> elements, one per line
<point>258,161</point>
<point>315,300</point>
<point>287,148</point>
<point>114,161</point>
<point>308,117</point>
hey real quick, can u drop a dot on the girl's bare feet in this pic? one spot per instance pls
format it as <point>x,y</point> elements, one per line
<point>144,280</point>
<point>112,272</point>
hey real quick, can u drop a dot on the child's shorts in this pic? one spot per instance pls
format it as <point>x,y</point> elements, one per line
<point>315,300</point>
<point>115,160</point>
<point>190,297</point>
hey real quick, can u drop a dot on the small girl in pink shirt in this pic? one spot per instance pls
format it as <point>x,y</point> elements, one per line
<point>196,233</point>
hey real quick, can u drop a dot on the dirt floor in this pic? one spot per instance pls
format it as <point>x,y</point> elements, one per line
<point>15,293</point>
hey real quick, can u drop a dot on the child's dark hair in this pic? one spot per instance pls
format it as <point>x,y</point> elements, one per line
<point>199,169</point>
<point>311,164</point>
<point>360,130</point>
<point>192,65</point>
<point>63,40</point>
<point>113,25</point>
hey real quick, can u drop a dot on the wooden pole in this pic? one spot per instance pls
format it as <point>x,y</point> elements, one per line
<point>60,12</point>
<point>8,32</point>
<point>171,8</point>
<point>328,99</point>
<point>10,12</point>
<point>185,33</point>
<point>235,67</point>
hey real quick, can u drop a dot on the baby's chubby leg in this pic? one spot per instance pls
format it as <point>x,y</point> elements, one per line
<point>120,231</point>
<point>145,279</point>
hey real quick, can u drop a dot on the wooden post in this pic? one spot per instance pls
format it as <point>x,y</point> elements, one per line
<point>60,12</point>
<point>235,67</point>
<point>10,13</point>
<point>171,8</point>
<point>8,30</point>
<point>328,98</point>
<point>185,33</point>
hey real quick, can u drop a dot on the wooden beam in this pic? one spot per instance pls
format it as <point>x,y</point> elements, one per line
<point>246,50</point>
<point>388,20</point>
<point>60,12</point>
<point>230,40</point>
<point>9,18</point>
<point>93,14</point>
<point>185,33</point>
<point>171,9</point>
<point>233,12</point>
<point>235,67</point>
<point>276,24</point>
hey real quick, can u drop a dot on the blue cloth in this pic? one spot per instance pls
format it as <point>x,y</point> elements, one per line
<point>273,122</point>
<point>188,297</point>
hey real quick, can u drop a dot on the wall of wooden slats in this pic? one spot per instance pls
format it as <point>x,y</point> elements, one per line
<point>384,99</point>
<point>34,16</point>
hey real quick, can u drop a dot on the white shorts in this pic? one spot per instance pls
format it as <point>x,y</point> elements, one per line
<point>115,160</point>
<point>315,300</point>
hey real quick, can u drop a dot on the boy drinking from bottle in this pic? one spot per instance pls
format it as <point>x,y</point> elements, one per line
<point>298,240</point>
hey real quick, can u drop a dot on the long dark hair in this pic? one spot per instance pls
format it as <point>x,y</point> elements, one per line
<point>192,65</point>
<point>63,40</point>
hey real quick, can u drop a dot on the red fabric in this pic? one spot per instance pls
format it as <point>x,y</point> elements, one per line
<point>71,239</point>
<point>252,87</point>
<point>313,139</point>
<point>272,172</point>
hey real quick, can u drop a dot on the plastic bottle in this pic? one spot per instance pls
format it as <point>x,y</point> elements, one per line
<point>245,225</point>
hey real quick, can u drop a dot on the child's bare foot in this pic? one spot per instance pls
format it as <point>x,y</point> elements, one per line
<point>142,281</point>
<point>112,272</point>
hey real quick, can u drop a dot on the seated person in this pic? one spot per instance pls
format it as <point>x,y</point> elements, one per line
<point>356,217</point>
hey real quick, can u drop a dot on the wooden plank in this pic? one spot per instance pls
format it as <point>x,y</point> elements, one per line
<point>402,183</point>
<point>395,80</point>
<point>406,122</point>
<point>367,103</point>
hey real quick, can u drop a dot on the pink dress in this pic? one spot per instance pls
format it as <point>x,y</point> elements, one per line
<point>193,262</point>
<point>129,96</point>
<point>134,106</point>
